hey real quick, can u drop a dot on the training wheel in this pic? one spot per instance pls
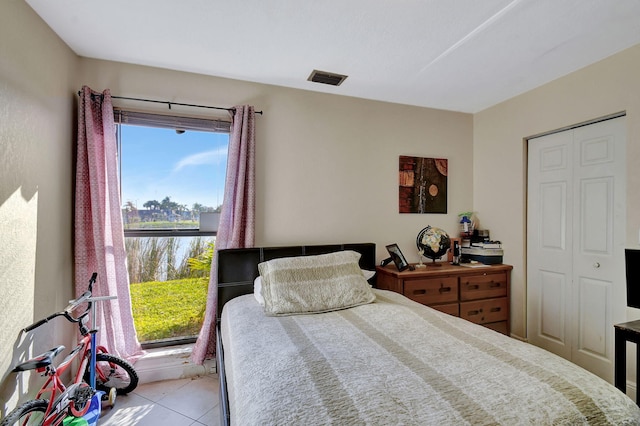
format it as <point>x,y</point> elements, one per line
<point>110,398</point>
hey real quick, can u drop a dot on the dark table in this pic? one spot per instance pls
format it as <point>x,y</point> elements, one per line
<point>626,332</point>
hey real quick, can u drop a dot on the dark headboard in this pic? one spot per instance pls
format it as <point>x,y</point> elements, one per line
<point>237,268</point>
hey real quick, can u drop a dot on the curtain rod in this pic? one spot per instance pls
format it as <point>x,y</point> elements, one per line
<point>169,103</point>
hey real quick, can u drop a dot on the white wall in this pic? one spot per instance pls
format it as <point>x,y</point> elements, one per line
<point>499,156</point>
<point>36,143</point>
<point>327,166</point>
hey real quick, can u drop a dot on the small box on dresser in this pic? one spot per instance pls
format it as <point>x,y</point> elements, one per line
<point>480,295</point>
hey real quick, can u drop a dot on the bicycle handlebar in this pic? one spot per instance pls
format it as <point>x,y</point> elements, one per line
<point>39,323</point>
<point>70,308</point>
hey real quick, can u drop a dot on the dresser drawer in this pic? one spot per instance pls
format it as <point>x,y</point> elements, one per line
<point>500,327</point>
<point>451,309</point>
<point>484,311</point>
<point>483,286</point>
<point>429,291</point>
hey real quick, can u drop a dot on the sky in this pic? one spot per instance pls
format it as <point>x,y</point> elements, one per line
<point>156,163</point>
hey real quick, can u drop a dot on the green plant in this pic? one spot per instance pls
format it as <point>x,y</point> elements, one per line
<point>171,250</point>
<point>201,264</point>
<point>197,247</point>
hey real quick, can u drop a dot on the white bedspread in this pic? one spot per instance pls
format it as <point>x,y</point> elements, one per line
<point>396,362</point>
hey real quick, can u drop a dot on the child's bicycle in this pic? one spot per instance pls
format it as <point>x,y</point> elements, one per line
<point>55,401</point>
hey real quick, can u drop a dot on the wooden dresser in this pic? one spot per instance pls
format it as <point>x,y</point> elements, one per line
<point>480,294</point>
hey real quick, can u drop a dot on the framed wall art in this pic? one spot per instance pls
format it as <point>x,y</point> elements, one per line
<point>423,185</point>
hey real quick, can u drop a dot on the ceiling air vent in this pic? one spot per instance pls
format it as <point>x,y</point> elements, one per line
<point>327,78</point>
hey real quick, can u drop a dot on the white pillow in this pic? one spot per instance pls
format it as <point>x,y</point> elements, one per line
<point>368,274</point>
<point>313,284</point>
<point>257,285</point>
<point>257,290</point>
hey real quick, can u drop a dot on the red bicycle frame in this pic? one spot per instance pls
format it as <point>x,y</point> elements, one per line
<point>63,397</point>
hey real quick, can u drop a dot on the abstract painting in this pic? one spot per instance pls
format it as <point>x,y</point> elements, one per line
<point>423,185</point>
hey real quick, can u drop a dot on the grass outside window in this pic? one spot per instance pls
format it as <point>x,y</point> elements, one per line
<point>169,309</point>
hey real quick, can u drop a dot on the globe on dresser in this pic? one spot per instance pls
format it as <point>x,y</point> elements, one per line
<point>433,243</point>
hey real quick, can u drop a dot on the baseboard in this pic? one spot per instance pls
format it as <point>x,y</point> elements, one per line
<point>515,336</point>
<point>632,390</point>
<point>171,363</point>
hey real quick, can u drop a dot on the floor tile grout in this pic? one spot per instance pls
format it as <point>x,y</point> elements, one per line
<point>163,403</point>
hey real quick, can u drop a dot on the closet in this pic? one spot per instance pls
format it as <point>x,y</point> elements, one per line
<point>575,242</point>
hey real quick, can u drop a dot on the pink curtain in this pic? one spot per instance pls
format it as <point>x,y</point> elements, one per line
<point>99,235</point>
<point>237,218</point>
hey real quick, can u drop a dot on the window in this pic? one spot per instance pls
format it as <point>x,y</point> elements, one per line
<point>172,174</point>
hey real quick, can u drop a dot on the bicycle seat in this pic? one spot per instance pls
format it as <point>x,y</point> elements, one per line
<point>40,361</point>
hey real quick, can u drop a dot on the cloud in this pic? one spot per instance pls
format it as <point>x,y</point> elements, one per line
<point>214,157</point>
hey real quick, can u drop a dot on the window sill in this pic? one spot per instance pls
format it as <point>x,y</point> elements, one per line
<point>170,363</point>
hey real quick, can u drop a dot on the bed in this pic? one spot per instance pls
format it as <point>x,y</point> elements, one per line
<point>385,361</point>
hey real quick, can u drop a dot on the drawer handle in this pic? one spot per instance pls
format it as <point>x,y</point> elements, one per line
<point>476,312</point>
<point>444,289</point>
<point>421,291</point>
<point>498,309</point>
<point>494,284</point>
<point>473,286</point>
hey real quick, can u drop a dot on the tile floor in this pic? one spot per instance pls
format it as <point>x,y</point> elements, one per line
<point>181,402</point>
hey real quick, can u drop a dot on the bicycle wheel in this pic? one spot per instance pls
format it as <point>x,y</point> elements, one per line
<point>29,413</point>
<point>113,372</point>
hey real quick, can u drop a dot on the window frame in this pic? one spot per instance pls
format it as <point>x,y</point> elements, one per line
<point>177,123</point>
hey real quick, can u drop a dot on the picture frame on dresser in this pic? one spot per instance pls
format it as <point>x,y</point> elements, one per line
<point>397,257</point>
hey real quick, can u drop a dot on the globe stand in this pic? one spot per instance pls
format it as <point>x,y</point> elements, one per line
<point>420,265</point>
<point>434,264</point>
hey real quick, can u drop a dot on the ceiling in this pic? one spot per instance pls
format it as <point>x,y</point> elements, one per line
<point>460,55</point>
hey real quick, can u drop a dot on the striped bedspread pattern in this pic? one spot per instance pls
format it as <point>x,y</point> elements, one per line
<point>397,362</point>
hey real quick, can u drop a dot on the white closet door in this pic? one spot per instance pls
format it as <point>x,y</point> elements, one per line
<point>575,243</point>
<point>549,242</point>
